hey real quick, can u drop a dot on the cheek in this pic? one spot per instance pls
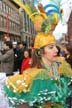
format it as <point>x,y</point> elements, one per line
<point>26,55</point>
<point>48,54</point>
<point>50,57</point>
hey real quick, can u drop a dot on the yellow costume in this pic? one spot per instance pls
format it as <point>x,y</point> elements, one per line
<point>41,87</point>
<point>64,67</point>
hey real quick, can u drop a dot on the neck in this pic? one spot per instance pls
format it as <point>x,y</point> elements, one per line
<point>46,61</point>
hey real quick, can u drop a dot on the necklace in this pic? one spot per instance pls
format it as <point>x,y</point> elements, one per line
<point>52,69</point>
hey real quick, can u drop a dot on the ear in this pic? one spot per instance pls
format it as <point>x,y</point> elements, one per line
<point>41,51</point>
<point>38,52</point>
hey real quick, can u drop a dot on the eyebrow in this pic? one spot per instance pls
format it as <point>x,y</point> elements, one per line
<point>51,44</point>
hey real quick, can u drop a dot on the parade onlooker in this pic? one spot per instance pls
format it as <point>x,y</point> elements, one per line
<point>59,50</point>
<point>31,49</point>
<point>26,63</point>
<point>7,59</point>
<point>69,55</point>
<point>22,46</point>
<point>15,67</point>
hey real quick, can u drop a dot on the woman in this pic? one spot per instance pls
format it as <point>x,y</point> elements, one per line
<point>26,63</point>
<point>41,86</point>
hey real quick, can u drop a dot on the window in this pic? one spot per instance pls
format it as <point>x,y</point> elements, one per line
<point>10,25</point>
<point>0,5</point>
<point>2,21</point>
<point>25,24</point>
<point>9,10</point>
<point>3,7</point>
<point>6,9</point>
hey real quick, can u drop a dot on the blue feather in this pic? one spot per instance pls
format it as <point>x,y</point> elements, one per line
<point>52,8</point>
<point>51,5</point>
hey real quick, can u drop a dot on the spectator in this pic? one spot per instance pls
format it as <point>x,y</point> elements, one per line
<point>26,63</point>
<point>21,48</point>
<point>31,49</point>
<point>69,55</point>
<point>15,49</point>
<point>7,59</point>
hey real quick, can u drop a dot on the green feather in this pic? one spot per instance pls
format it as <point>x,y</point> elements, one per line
<point>47,29</point>
<point>47,24</point>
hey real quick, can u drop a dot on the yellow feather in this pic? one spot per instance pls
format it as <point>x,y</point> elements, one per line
<point>25,7</point>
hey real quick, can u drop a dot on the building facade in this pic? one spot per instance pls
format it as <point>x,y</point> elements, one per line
<point>14,22</point>
<point>69,37</point>
<point>27,27</point>
<point>9,20</point>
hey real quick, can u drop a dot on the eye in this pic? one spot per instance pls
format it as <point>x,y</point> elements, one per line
<point>51,46</point>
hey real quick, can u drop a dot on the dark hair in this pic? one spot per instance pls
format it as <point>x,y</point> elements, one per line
<point>28,52</point>
<point>23,43</point>
<point>36,58</point>
<point>59,50</point>
<point>69,60</point>
<point>32,44</point>
<point>9,43</point>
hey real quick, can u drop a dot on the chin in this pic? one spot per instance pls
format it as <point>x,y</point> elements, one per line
<point>54,59</point>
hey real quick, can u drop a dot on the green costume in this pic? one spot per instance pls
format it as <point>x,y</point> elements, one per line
<point>39,86</point>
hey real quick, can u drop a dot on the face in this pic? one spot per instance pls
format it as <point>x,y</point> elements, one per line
<point>20,46</point>
<point>50,52</point>
<point>26,54</point>
<point>5,47</point>
<point>14,45</point>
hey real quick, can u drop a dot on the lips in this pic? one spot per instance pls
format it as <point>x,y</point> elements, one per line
<point>55,55</point>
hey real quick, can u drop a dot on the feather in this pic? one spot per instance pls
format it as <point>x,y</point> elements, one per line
<point>35,2</point>
<point>47,25</point>
<point>52,8</point>
<point>29,8</point>
<point>56,2</point>
<point>51,5</point>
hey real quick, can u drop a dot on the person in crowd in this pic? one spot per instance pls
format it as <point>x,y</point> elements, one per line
<point>68,59</point>
<point>22,46</point>
<point>68,56</point>
<point>26,63</point>
<point>61,60</point>
<point>7,59</point>
<point>31,49</point>
<point>59,50</point>
<point>15,49</point>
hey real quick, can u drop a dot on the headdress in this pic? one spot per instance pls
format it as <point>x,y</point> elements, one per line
<point>45,19</point>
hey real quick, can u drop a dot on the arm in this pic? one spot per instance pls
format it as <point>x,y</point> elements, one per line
<point>4,57</point>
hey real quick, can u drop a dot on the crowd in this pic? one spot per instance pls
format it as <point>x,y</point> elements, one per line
<point>15,57</point>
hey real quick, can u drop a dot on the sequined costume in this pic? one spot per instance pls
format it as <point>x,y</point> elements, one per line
<point>44,87</point>
<point>34,87</point>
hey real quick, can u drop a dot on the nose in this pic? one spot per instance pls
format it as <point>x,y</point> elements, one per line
<point>55,49</point>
